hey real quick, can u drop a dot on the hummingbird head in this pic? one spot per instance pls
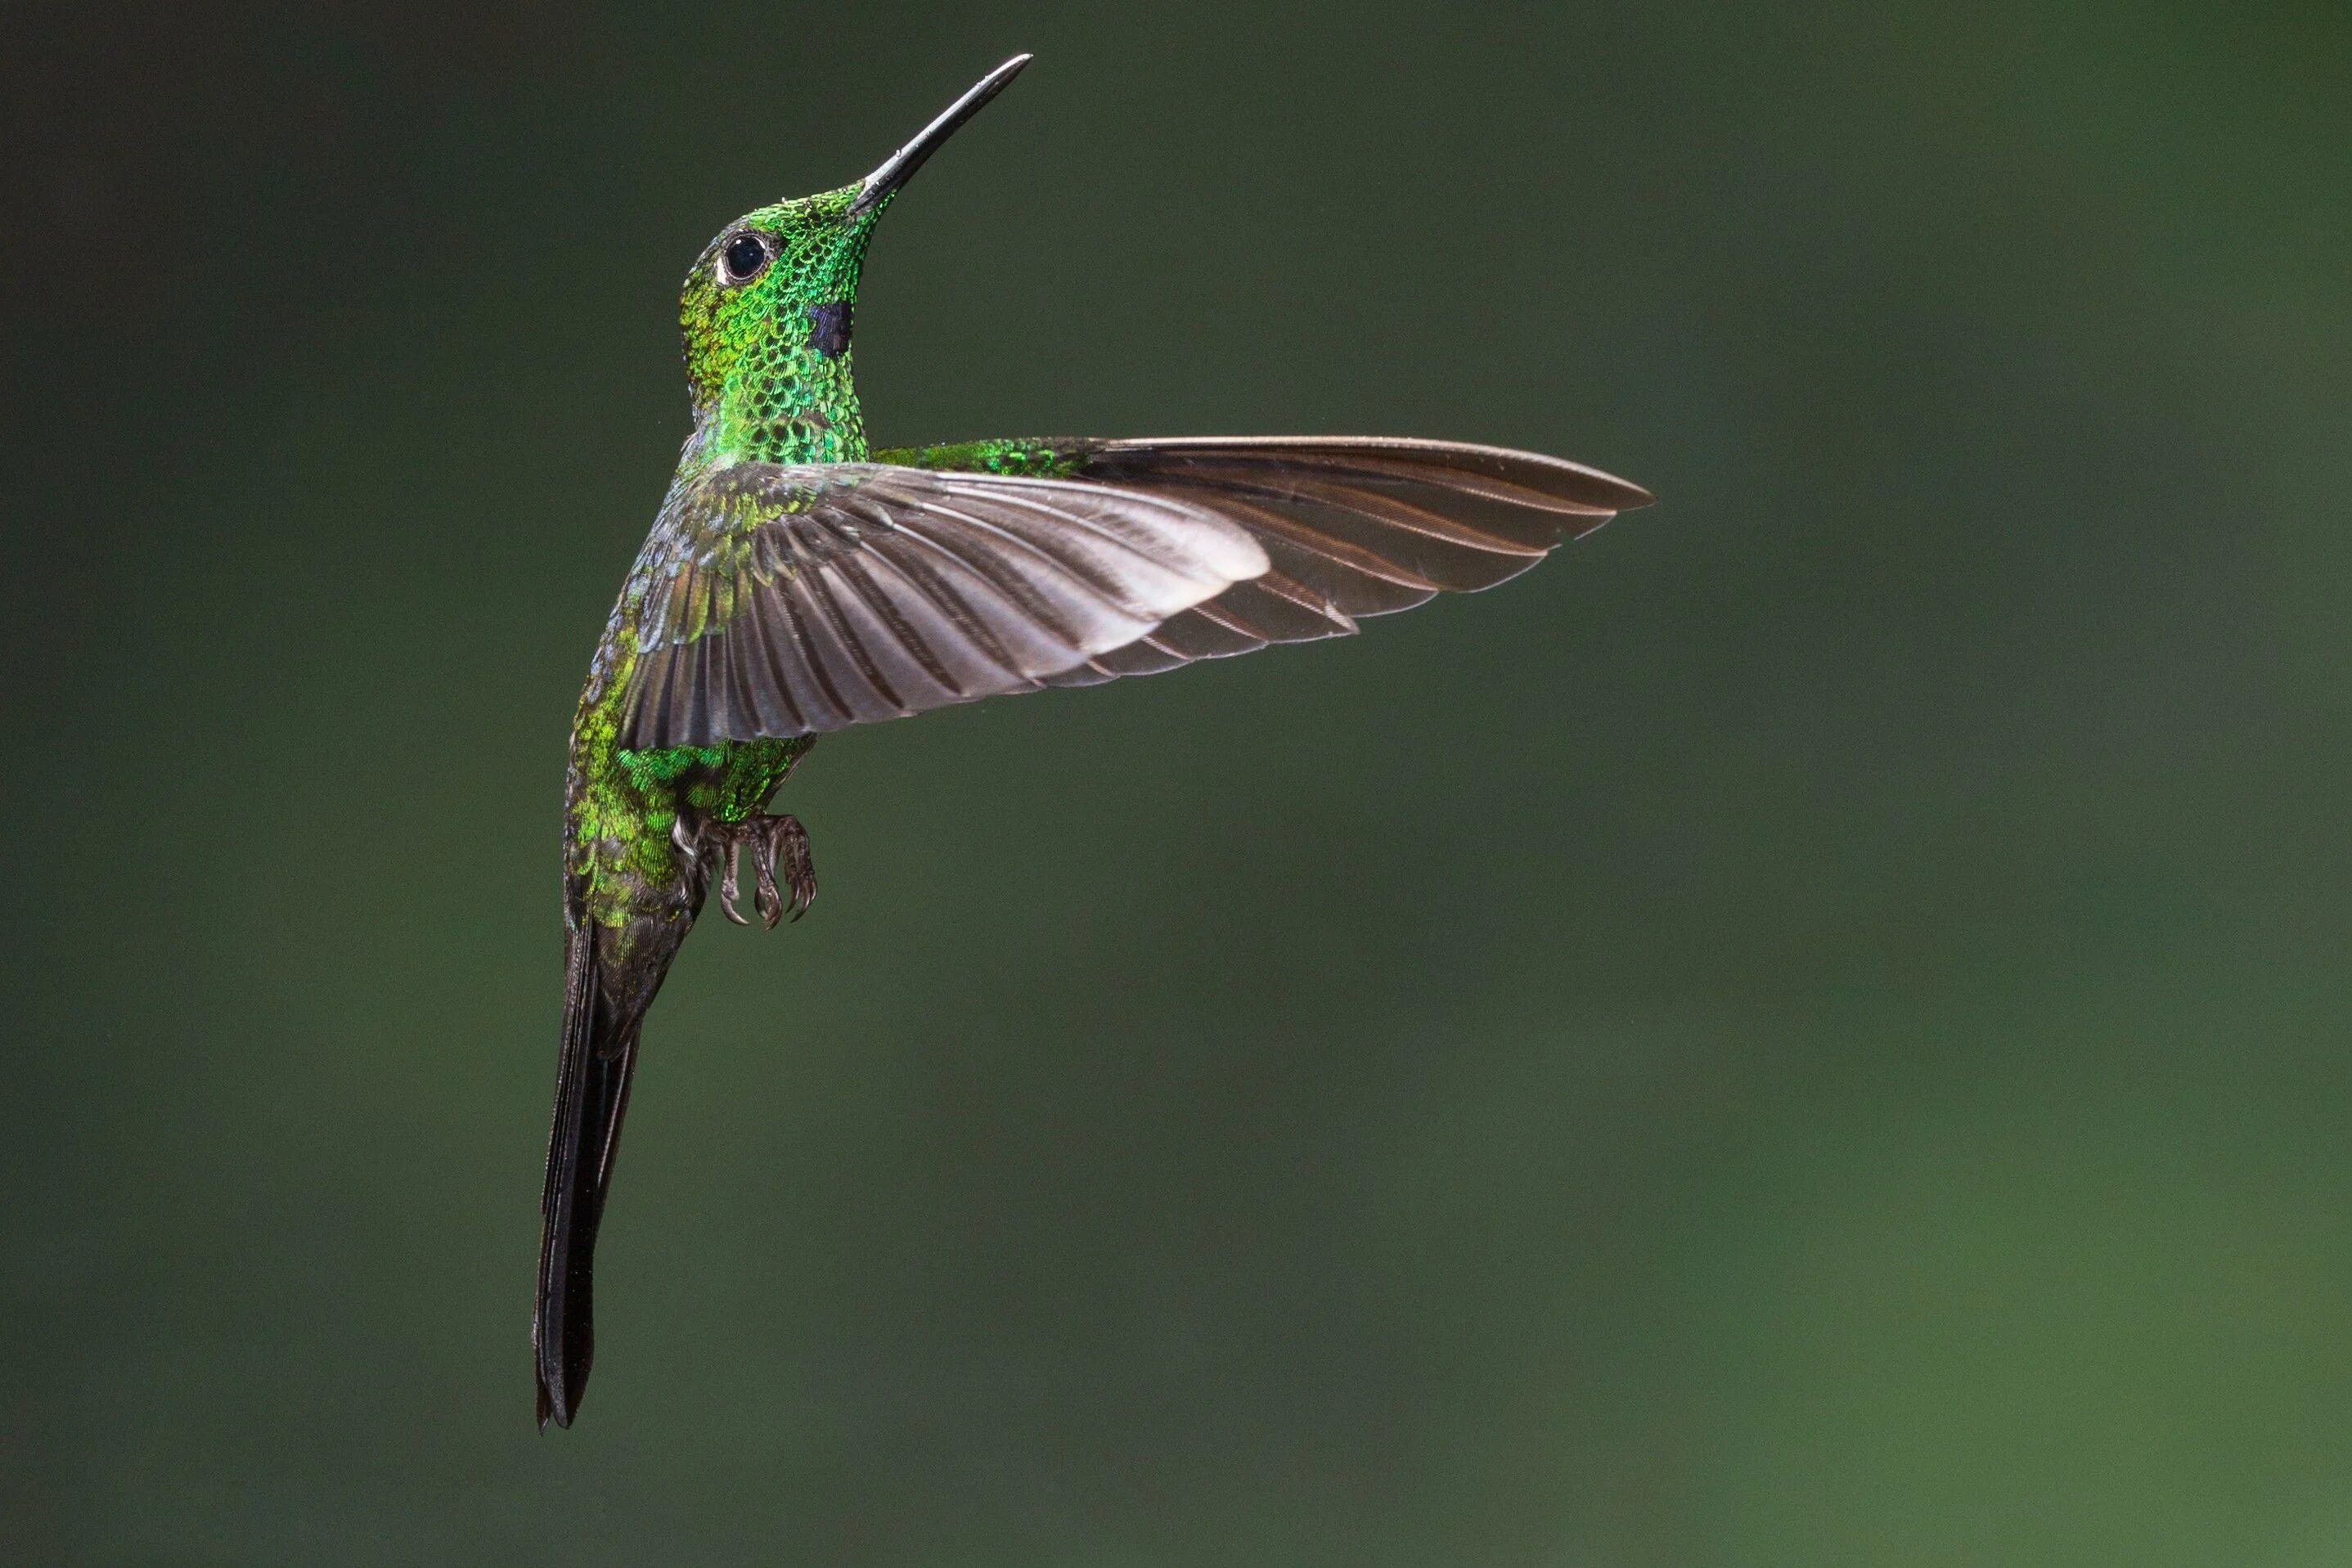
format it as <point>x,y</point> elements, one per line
<point>766,309</point>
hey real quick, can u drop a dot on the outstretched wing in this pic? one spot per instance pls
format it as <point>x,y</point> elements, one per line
<point>1352,526</point>
<point>783,600</point>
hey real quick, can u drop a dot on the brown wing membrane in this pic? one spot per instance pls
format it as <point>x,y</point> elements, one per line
<point>1352,526</point>
<point>793,600</point>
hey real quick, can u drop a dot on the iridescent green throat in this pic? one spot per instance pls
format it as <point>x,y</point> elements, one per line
<point>768,357</point>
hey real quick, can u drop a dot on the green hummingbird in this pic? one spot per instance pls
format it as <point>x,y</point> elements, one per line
<point>797,582</point>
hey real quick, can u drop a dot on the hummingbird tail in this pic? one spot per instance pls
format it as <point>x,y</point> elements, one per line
<point>591,1093</point>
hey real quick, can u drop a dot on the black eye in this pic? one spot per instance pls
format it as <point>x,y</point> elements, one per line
<point>745,255</point>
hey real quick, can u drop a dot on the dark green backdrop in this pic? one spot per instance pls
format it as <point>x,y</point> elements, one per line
<point>1809,1031</point>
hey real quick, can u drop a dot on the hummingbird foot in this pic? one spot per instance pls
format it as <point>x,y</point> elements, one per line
<point>779,847</point>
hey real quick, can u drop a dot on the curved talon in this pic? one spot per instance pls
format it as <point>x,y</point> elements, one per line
<point>728,887</point>
<point>788,839</point>
<point>771,904</point>
<point>785,878</point>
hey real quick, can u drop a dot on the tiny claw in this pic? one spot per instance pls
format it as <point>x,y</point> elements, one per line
<point>785,881</point>
<point>726,888</point>
<point>791,840</point>
<point>771,904</point>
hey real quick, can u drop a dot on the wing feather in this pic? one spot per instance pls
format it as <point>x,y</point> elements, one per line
<point>1352,526</point>
<point>791,600</point>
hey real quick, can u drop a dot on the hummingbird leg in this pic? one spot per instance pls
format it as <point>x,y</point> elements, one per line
<point>726,889</point>
<point>782,838</point>
<point>779,847</point>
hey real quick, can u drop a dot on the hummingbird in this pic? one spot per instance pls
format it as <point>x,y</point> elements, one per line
<point>797,581</point>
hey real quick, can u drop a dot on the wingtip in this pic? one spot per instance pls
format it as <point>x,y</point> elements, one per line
<point>1601,487</point>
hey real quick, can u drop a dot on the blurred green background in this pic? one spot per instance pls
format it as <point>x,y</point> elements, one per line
<point>1810,1031</point>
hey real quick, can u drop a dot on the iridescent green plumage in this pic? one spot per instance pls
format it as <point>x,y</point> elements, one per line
<point>794,583</point>
<point>1030,459</point>
<point>762,392</point>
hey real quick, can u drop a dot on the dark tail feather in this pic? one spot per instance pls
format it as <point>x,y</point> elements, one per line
<point>592,1091</point>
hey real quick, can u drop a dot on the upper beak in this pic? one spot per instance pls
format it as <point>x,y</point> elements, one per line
<point>900,166</point>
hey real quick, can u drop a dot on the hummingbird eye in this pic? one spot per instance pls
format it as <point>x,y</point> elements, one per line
<point>744,257</point>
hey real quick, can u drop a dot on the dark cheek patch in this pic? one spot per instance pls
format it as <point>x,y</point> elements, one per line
<point>829,329</point>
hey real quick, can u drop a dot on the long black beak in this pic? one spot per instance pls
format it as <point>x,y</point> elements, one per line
<point>900,166</point>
